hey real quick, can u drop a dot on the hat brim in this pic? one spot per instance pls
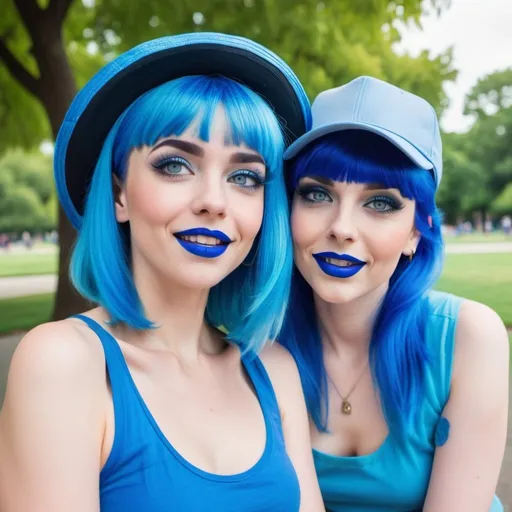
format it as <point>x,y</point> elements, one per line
<point>99,104</point>
<point>403,145</point>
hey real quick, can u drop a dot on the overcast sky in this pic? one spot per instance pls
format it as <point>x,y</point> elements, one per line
<point>480,32</point>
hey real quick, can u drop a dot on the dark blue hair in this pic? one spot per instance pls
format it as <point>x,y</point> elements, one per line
<point>398,355</point>
<point>249,303</point>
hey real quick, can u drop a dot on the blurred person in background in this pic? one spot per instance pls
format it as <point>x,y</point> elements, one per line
<point>506,224</point>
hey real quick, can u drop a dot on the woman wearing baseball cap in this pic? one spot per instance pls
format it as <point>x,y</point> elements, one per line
<point>406,387</point>
<point>169,164</point>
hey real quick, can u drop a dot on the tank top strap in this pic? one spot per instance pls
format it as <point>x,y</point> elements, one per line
<point>265,391</point>
<point>114,358</point>
<point>131,428</point>
<point>117,369</point>
<point>440,337</point>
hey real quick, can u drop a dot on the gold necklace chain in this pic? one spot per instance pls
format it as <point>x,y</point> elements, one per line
<point>346,406</point>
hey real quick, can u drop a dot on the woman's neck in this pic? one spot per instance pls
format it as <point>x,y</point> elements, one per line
<point>178,313</point>
<point>346,329</point>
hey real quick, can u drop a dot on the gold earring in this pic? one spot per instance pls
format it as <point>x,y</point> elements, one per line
<point>411,256</point>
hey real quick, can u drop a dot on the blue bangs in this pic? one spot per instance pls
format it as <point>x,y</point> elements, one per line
<point>192,101</point>
<point>249,303</point>
<point>397,353</point>
<point>345,156</point>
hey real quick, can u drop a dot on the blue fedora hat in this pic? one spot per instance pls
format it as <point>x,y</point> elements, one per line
<point>97,106</point>
<point>366,103</point>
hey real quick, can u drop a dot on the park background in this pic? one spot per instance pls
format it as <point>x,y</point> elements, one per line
<point>457,54</point>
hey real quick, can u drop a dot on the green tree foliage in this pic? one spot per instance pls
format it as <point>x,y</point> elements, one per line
<point>21,210</point>
<point>52,209</point>
<point>491,94</point>
<point>26,190</point>
<point>503,203</point>
<point>478,163</point>
<point>31,169</point>
<point>489,143</point>
<point>464,186</point>
<point>30,32</point>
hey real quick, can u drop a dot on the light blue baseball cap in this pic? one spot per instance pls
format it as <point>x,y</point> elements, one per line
<point>404,119</point>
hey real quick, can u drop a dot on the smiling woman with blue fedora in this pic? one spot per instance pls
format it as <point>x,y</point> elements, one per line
<point>406,387</point>
<point>169,164</point>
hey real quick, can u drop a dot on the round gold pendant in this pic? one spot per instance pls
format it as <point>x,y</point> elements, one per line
<point>346,408</point>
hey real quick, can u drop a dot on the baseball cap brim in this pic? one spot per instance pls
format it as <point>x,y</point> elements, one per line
<point>98,105</point>
<point>403,145</point>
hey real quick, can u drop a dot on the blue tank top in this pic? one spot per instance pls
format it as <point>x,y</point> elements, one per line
<point>395,477</point>
<point>145,473</point>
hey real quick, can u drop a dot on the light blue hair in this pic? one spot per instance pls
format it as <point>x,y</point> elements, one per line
<point>251,301</point>
<point>398,355</point>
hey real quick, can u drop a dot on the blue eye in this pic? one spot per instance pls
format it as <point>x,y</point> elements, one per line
<point>173,166</point>
<point>312,194</point>
<point>247,179</point>
<point>383,204</point>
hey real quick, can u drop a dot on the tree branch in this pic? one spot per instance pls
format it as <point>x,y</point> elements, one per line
<point>58,9</point>
<point>17,70</point>
<point>30,13</point>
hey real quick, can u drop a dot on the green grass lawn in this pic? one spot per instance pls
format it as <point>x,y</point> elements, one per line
<point>24,264</point>
<point>485,278</point>
<point>23,313</point>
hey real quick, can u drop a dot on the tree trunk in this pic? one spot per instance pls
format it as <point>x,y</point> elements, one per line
<point>58,88</point>
<point>55,88</point>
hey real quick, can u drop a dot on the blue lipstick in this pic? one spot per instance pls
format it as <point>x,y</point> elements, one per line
<point>202,250</point>
<point>335,270</point>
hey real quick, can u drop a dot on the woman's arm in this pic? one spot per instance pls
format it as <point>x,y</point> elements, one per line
<point>51,424</point>
<point>285,379</point>
<point>467,467</point>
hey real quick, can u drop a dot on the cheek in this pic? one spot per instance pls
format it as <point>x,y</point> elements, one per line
<point>246,211</point>
<point>388,241</point>
<point>306,227</point>
<point>154,201</point>
<point>250,217</point>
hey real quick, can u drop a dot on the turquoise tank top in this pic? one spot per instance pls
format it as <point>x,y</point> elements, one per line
<point>395,477</point>
<point>145,473</point>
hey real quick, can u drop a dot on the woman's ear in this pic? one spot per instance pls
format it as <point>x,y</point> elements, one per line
<point>119,200</point>
<point>412,244</point>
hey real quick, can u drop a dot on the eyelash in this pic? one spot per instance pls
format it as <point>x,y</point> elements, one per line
<point>305,190</point>
<point>258,179</point>
<point>164,161</point>
<point>393,204</point>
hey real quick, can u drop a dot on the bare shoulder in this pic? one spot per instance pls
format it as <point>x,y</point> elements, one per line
<point>480,328</point>
<point>279,362</point>
<point>284,375</point>
<point>51,355</point>
<point>57,346</point>
<point>53,419</point>
<point>481,340</point>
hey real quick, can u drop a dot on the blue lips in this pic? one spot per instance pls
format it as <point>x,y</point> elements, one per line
<point>335,270</point>
<point>204,251</point>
